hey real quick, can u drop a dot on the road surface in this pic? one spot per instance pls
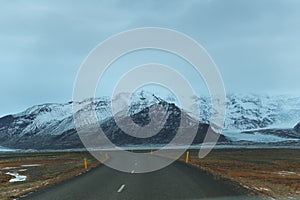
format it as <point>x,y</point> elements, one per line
<point>177,181</point>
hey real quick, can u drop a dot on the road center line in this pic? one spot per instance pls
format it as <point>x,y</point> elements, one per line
<point>121,188</point>
<point>132,171</point>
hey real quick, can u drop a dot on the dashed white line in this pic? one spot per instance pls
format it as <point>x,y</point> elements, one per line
<point>132,171</point>
<point>121,188</point>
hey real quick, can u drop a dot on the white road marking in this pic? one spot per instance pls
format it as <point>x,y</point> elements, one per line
<point>132,171</point>
<point>121,188</point>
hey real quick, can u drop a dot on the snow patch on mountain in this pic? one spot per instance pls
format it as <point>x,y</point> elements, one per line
<point>3,149</point>
<point>255,137</point>
<point>245,112</point>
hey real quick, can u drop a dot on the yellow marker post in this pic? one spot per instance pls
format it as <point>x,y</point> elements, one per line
<point>187,157</point>
<point>151,152</point>
<point>85,163</point>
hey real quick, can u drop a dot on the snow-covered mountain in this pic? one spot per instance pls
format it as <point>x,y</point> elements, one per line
<point>51,126</point>
<point>251,111</point>
<point>252,118</point>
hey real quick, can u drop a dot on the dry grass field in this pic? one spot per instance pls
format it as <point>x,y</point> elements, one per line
<point>269,172</point>
<point>40,169</point>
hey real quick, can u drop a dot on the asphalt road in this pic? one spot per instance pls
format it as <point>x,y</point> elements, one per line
<point>177,181</point>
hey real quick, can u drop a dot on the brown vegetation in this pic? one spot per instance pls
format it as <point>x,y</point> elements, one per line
<point>270,172</point>
<point>44,169</point>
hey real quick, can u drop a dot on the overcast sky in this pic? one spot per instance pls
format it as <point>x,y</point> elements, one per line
<point>255,44</point>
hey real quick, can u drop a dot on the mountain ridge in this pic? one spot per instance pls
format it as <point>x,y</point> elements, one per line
<point>49,124</point>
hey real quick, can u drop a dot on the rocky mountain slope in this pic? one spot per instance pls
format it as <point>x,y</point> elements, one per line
<point>246,112</point>
<point>252,118</point>
<point>28,130</point>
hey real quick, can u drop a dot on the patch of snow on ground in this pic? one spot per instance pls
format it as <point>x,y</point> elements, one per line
<point>18,177</point>
<point>31,165</point>
<point>21,170</point>
<point>286,173</point>
<point>9,168</point>
<point>261,188</point>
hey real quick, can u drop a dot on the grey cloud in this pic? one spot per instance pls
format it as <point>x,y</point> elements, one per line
<point>42,43</point>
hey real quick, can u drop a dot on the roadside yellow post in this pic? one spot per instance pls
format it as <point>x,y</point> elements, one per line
<point>85,163</point>
<point>151,152</point>
<point>187,157</point>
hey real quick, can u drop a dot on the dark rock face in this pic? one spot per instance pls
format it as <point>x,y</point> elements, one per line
<point>297,128</point>
<point>165,135</point>
<point>66,140</point>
